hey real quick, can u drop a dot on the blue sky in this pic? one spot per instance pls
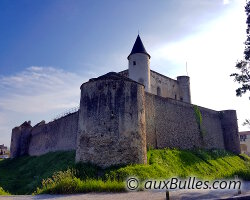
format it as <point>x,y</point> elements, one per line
<point>48,48</point>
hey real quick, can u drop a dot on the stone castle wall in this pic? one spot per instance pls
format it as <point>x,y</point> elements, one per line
<point>57,135</point>
<point>117,119</point>
<point>167,87</point>
<point>20,140</point>
<point>43,138</point>
<point>171,123</point>
<point>230,130</point>
<point>164,86</point>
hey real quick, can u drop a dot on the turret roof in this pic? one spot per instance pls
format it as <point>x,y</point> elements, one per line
<point>138,47</point>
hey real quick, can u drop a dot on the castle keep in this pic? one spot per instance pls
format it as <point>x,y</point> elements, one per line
<point>122,114</point>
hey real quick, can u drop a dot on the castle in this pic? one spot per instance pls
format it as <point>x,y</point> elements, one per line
<point>122,114</point>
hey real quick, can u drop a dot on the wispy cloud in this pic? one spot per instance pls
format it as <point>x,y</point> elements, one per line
<point>40,89</point>
<point>35,94</point>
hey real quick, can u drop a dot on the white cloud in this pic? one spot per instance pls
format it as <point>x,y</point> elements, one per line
<point>40,89</point>
<point>35,94</point>
<point>211,55</point>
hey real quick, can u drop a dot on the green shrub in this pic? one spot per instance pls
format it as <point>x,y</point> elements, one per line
<point>65,182</point>
<point>198,117</point>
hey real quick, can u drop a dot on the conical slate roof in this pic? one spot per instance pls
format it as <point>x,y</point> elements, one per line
<point>138,47</point>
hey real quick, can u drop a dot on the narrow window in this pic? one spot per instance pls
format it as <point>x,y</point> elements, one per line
<point>134,62</point>
<point>181,99</point>
<point>175,96</point>
<point>158,91</point>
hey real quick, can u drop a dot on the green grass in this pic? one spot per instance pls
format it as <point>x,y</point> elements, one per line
<point>2,192</point>
<point>67,183</point>
<point>203,164</point>
<point>23,175</point>
<point>57,173</point>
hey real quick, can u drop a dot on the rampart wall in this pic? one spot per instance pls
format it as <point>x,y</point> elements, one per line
<point>43,138</point>
<point>117,119</point>
<point>57,135</point>
<point>173,124</point>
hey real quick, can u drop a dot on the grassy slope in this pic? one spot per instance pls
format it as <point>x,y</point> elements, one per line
<point>2,192</point>
<point>203,164</point>
<point>23,175</point>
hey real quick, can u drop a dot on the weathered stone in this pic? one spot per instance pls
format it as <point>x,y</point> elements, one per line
<point>111,128</point>
<point>118,119</point>
<point>171,123</point>
<point>123,113</point>
<point>230,130</point>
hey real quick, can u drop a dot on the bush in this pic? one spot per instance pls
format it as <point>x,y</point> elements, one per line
<point>65,182</point>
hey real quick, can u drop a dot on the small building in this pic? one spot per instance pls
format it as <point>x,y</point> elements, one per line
<point>4,152</point>
<point>245,142</point>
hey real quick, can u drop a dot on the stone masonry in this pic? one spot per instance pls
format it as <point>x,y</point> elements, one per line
<point>123,114</point>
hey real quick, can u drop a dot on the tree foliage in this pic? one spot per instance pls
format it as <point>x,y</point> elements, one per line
<point>243,77</point>
<point>246,123</point>
<point>243,66</point>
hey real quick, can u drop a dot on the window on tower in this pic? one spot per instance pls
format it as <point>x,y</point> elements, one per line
<point>158,91</point>
<point>134,62</point>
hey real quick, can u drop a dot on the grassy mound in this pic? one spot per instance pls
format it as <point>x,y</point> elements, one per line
<point>57,173</point>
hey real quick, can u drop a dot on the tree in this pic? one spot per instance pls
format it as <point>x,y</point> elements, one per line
<point>246,122</point>
<point>244,65</point>
<point>243,77</point>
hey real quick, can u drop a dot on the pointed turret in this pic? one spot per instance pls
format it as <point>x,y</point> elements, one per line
<point>138,47</point>
<point>138,64</point>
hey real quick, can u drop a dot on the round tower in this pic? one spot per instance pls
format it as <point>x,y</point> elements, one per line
<point>111,124</point>
<point>184,88</point>
<point>230,130</point>
<point>138,64</point>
